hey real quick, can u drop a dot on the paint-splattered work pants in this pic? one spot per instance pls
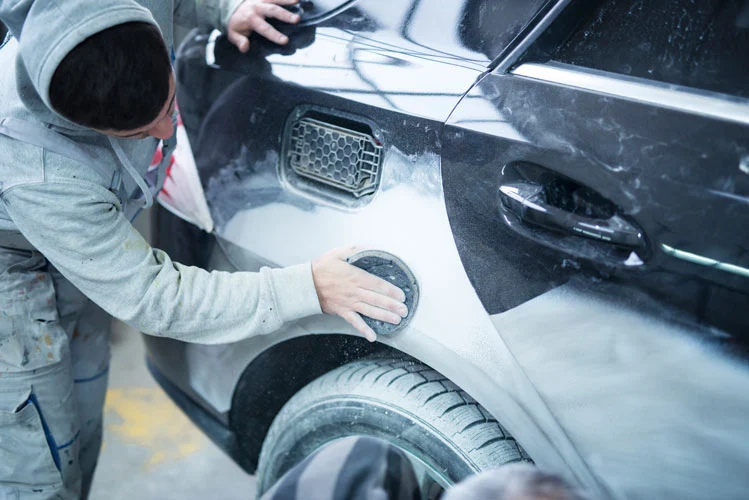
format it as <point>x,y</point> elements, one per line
<point>54,357</point>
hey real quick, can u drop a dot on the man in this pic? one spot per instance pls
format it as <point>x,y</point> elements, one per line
<point>86,92</point>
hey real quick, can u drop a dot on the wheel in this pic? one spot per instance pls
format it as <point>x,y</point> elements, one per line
<point>447,434</point>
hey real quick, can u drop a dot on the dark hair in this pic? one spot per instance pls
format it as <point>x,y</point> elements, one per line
<point>117,79</point>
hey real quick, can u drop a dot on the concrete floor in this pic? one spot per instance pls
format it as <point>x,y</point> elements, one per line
<point>151,449</point>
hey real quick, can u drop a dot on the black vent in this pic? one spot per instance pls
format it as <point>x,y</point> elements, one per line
<point>335,152</point>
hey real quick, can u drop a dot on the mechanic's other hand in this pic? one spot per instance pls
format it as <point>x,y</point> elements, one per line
<point>348,292</point>
<point>251,16</point>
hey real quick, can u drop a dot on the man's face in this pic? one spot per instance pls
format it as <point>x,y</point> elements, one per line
<point>160,128</point>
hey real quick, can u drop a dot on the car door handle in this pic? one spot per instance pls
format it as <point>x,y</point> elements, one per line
<point>525,200</point>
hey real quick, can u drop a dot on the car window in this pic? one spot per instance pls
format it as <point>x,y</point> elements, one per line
<point>697,43</point>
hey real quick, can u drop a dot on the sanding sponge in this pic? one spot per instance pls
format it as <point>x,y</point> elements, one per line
<point>390,268</point>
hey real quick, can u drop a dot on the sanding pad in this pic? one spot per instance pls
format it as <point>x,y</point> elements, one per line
<point>390,268</point>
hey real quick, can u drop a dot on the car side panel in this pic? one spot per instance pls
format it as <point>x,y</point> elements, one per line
<point>408,91</point>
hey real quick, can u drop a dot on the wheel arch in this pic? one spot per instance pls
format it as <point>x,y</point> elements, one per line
<point>279,372</point>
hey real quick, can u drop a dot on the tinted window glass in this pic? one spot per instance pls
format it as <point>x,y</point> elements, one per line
<point>696,43</point>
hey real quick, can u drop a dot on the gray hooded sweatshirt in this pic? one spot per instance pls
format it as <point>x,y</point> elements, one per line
<point>73,205</point>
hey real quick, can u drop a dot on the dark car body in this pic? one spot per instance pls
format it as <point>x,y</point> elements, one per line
<point>568,180</point>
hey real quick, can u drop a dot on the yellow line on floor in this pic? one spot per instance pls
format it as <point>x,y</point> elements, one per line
<point>146,417</point>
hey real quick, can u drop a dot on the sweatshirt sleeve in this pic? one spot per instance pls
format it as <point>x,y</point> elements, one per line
<point>212,13</point>
<point>81,231</point>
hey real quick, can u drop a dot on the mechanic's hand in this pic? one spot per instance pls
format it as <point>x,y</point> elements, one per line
<point>348,291</point>
<point>251,16</point>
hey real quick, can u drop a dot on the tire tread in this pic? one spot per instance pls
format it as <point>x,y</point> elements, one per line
<point>424,392</point>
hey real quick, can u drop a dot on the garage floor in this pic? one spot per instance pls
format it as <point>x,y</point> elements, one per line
<point>151,449</point>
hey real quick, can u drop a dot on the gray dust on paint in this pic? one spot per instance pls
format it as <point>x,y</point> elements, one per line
<point>630,389</point>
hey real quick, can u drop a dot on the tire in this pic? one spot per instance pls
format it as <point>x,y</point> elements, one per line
<point>399,400</point>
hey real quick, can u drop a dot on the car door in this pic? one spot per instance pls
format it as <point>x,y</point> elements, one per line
<point>655,132</point>
<point>597,184</point>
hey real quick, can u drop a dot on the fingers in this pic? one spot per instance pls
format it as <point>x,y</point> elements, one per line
<point>377,313</point>
<point>261,27</point>
<point>239,40</point>
<point>347,291</point>
<point>276,12</point>
<point>378,285</point>
<point>383,302</point>
<point>251,15</point>
<point>357,322</point>
<point>366,280</point>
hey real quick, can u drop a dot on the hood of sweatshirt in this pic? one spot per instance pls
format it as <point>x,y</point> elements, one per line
<point>47,30</point>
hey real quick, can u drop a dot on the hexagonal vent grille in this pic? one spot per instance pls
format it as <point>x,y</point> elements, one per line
<point>339,157</point>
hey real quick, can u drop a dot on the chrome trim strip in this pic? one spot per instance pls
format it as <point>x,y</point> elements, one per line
<point>529,40</point>
<point>650,92</point>
<point>705,261</point>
